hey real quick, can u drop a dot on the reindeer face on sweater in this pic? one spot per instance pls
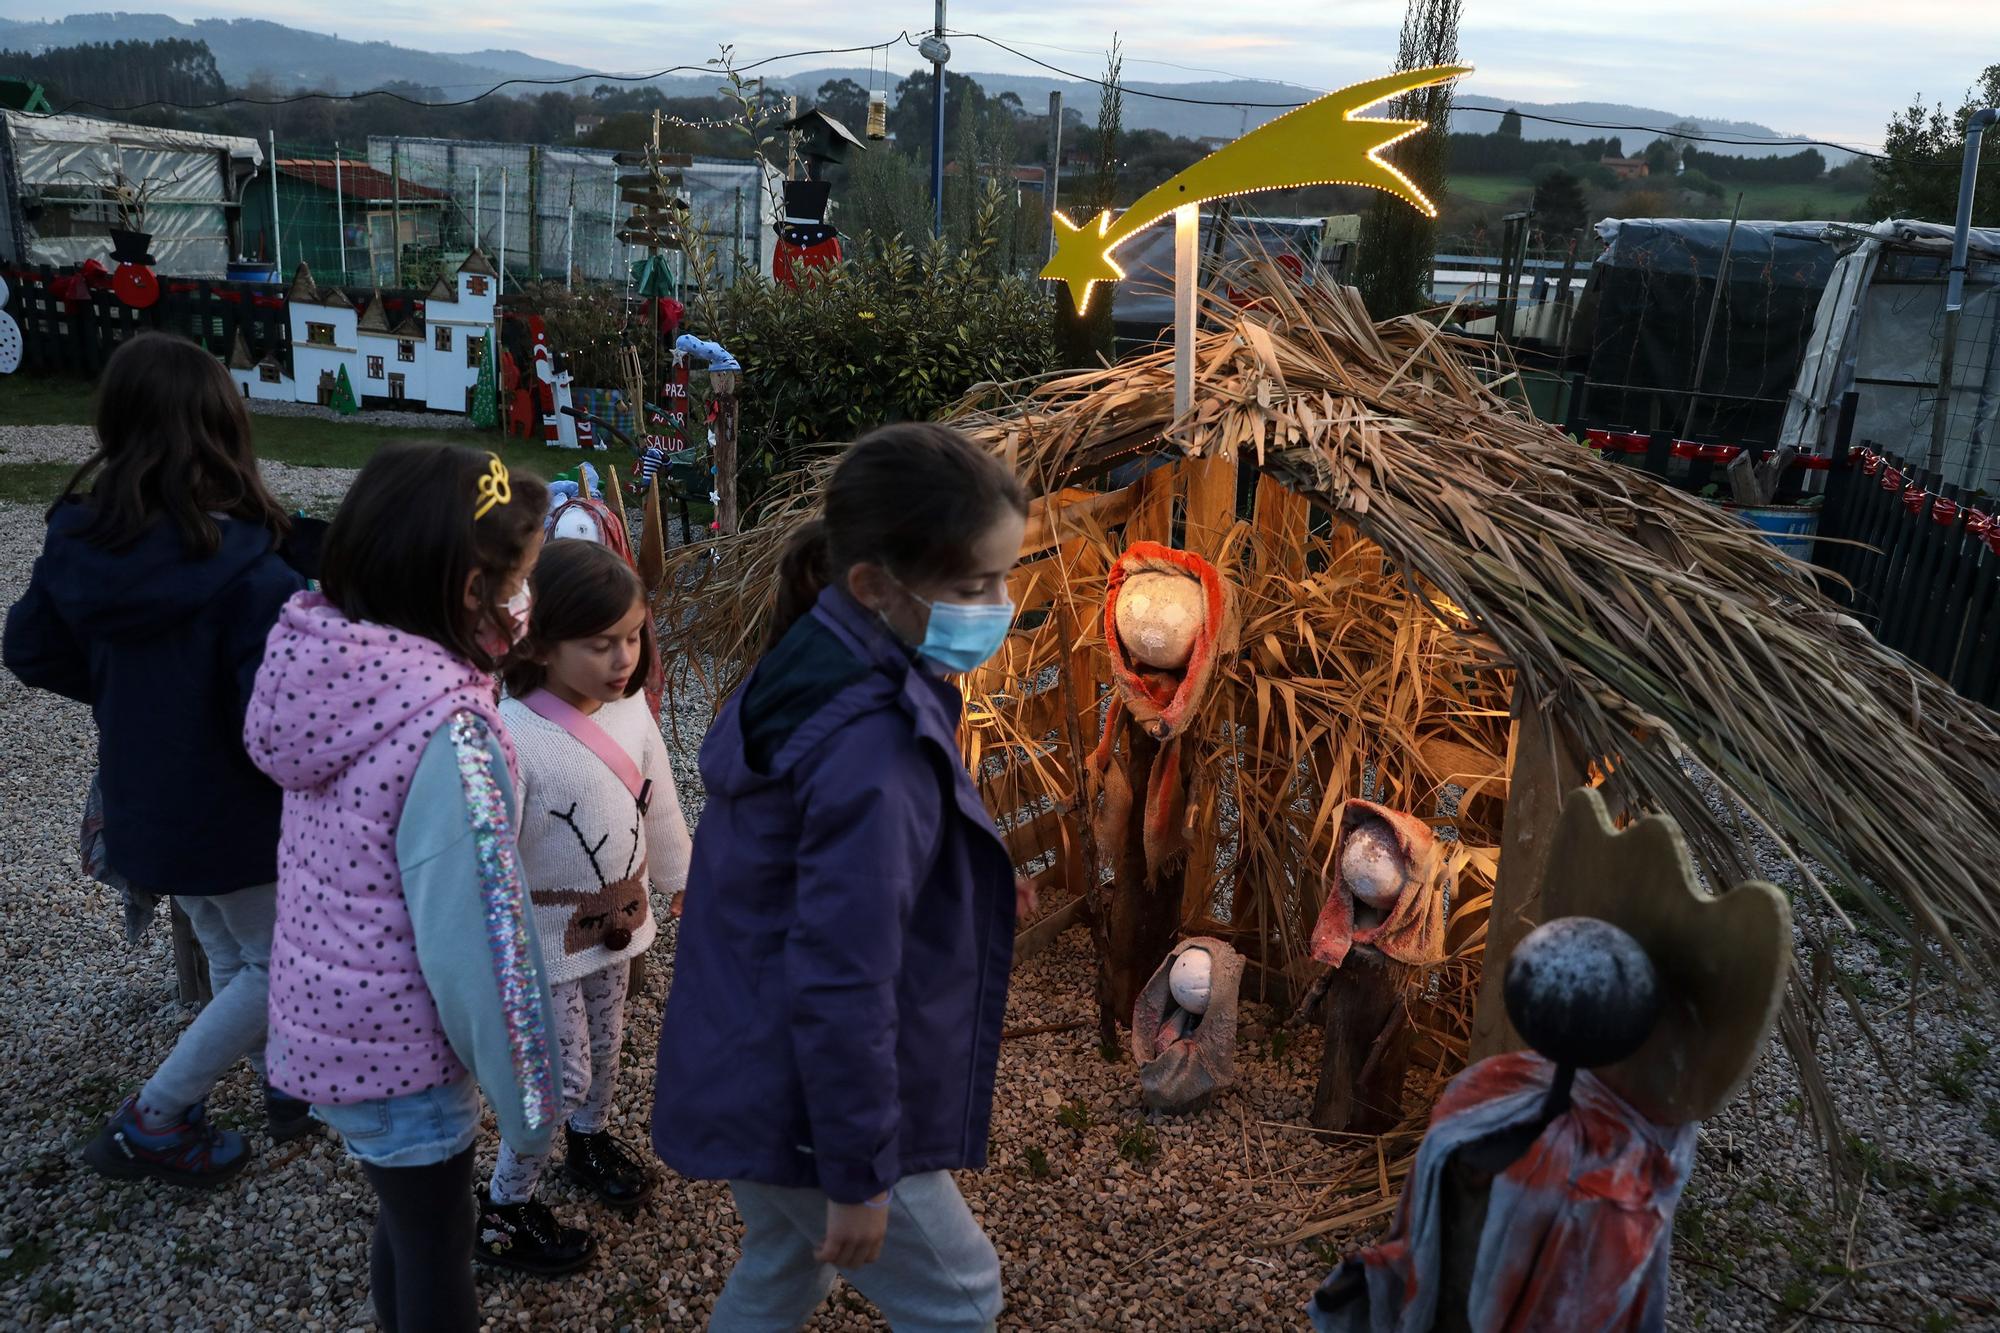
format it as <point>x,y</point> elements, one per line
<point>609,915</point>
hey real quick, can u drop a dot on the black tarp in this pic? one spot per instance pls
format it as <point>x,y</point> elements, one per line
<point>1648,303</point>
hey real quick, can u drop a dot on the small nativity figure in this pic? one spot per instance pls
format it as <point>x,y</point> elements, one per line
<point>1184,1026</point>
<point>1169,624</point>
<point>1383,922</point>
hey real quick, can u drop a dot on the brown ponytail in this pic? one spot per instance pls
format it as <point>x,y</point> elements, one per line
<point>911,497</point>
<point>802,576</point>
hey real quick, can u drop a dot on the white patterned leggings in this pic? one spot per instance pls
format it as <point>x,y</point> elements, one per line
<point>590,1025</point>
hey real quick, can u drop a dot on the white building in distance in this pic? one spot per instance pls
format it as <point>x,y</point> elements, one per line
<point>427,356</point>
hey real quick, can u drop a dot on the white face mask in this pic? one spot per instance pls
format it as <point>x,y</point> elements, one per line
<point>517,614</point>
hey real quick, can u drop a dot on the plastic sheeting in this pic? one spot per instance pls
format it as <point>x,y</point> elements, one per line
<point>1879,329</point>
<point>56,211</point>
<point>576,208</point>
<point>1651,290</point>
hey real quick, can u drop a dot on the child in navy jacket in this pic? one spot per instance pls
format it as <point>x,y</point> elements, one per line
<point>160,577</point>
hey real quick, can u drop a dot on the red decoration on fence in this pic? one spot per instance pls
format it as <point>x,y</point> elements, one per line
<point>1944,512</point>
<point>1913,499</point>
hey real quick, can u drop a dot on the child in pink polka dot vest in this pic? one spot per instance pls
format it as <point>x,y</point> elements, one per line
<point>406,972</point>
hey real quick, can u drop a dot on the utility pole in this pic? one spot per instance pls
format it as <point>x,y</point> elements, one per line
<point>277,227</point>
<point>933,47</point>
<point>1054,178</point>
<point>339,214</point>
<point>1954,292</point>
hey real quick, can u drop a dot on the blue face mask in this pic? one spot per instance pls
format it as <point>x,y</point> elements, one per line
<point>960,637</point>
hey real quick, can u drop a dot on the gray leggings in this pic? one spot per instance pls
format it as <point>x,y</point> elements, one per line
<point>235,933</point>
<point>590,1022</point>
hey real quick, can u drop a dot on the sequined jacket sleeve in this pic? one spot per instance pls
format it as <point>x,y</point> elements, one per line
<point>475,930</point>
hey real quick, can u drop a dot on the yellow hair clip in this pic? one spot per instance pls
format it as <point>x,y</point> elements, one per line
<point>495,488</point>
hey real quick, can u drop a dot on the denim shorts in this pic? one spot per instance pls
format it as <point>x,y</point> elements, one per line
<point>419,1129</point>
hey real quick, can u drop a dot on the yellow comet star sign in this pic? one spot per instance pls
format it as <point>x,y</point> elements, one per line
<point>1320,143</point>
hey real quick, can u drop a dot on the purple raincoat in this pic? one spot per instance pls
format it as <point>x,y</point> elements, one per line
<point>843,960</point>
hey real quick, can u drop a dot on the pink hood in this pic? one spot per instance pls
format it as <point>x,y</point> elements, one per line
<point>331,688</point>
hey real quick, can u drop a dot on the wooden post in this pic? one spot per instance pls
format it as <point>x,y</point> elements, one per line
<point>1367,1053</point>
<point>190,963</point>
<point>1187,277</point>
<point>1542,769</point>
<point>722,383</point>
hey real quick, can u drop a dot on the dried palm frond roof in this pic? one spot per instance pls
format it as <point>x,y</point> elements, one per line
<point>1656,630</point>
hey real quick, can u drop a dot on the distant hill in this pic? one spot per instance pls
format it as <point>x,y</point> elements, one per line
<point>1197,122</point>
<point>295,58</point>
<point>247,49</point>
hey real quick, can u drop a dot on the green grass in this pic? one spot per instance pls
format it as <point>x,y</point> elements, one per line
<point>28,1254</point>
<point>1139,1145</point>
<point>299,441</point>
<point>32,483</point>
<point>1781,203</point>
<point>56,1299</point>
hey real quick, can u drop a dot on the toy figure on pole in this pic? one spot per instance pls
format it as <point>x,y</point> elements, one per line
<point>805,240</point>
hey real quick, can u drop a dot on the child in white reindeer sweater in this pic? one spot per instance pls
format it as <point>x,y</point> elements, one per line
<point>599,825</point>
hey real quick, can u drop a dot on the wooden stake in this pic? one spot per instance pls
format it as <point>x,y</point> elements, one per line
<point>722,383</point>
<point>1542,770</point>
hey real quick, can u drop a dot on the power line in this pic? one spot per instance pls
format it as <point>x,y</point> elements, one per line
<point>1128,91</point>
<point>902,37</point>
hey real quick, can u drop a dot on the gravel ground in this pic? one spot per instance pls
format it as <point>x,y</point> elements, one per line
<point>1102,1220</point>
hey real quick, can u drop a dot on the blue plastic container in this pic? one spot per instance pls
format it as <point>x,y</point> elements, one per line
<point>1790,528</point>
<point>252,271</point>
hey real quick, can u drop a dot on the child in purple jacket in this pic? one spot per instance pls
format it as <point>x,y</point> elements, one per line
<point>830,1043</point>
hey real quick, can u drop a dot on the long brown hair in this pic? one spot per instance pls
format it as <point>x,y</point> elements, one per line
<point>581,590</point>
<point>911,497</point>
<point>405,539</point>
<point>173,443</point>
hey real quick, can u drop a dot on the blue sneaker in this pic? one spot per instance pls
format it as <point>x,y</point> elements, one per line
<point>192,1152</point>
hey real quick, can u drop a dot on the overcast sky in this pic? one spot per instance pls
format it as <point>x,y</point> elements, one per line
<point>1830,70</point>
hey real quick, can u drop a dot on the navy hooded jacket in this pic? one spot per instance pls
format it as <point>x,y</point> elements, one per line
<point>842,969</point>
<point>164,647</point>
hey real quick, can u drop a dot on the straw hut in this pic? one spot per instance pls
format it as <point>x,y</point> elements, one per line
<point>1449,608</point>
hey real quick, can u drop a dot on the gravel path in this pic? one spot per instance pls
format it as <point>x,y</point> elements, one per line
<point>1102,1221</point>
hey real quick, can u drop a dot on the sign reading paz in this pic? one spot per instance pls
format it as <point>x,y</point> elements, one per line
<point>1320,143</point>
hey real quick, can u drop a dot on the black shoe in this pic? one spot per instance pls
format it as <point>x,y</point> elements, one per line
<point>600,1165</point>
<point>287,1117</point>
<point>526,1237</point>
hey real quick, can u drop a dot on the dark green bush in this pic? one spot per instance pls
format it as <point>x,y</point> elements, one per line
<point>893,334</point>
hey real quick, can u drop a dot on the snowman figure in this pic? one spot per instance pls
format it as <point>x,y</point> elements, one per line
<point>10,336</point>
